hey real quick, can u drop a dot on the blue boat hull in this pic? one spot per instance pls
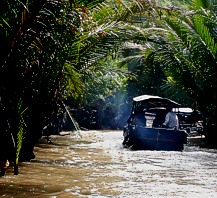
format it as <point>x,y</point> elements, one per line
<point>144,138</point>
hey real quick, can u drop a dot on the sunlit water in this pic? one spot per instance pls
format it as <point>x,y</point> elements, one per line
<point>97,165</point>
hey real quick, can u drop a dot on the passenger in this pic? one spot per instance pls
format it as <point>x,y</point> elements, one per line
<point>139,117</point>
<point>171,119</point>
<point>159,118</point>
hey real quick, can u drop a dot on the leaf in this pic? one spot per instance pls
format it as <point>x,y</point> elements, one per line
<point>6,23</point>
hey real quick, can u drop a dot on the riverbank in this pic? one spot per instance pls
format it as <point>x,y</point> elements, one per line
<point>95,164</point>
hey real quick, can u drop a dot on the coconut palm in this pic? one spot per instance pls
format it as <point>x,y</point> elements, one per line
<point>181,42</point>
<point>36,36</point>
<point>48,47</point>
<point>29,71</point>
<point>185,45</point>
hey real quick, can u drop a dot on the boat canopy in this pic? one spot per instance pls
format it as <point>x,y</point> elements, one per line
<point>156,101</point>
<point>183,110</point>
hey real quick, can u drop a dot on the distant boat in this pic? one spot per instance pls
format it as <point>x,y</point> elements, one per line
<point>143,129</point>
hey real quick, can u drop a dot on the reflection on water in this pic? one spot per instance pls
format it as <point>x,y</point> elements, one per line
<point>97,165</point>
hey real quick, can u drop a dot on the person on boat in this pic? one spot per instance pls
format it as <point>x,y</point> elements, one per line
<point>139,117</point>
<point>159,118</point>
<point>171,119</point>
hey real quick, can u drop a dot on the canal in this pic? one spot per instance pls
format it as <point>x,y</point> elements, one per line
<point>94,164</point>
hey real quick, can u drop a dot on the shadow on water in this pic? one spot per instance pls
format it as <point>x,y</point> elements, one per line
<point>64,168</point>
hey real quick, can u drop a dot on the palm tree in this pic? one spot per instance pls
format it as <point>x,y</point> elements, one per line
<point>181,40</point>
<point>36,37</point>
<point>98,40</point>
<point>185,45</point>
<point>48,47</point>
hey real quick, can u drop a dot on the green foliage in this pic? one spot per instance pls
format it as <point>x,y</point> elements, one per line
<point>185,46</point>
<point>77,128</point>
<point>59,49</point>
<point>51,50</point>
<point>181,42</point>
<point>40,63</point>
<point>20,130</point>
<point>104,82</point>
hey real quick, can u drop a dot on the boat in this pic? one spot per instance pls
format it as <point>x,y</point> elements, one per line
<point>148,134</point>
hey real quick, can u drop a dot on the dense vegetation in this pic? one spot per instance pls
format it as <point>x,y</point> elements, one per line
<point>93,57</point>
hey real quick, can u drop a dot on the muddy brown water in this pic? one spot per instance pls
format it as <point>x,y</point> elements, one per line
<point>94,164</point>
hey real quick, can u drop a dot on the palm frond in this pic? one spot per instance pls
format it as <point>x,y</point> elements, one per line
<point>198,4</point>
